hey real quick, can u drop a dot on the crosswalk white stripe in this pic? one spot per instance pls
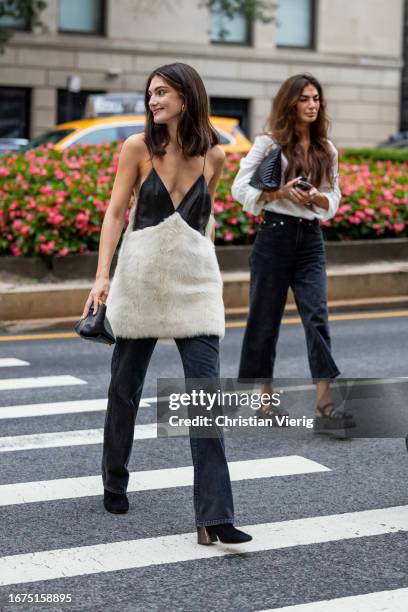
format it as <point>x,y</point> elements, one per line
<point>77,406</point>
<point>53,408</point>
<point>381,601</point>
<point>11,362</point>
<point>69,488</point>
<point>67,438</point>
<point>8,384</point>
<point>85,560</point>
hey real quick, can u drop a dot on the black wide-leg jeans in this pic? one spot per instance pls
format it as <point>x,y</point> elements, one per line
<point>213,502</point>
<point>288,252</point>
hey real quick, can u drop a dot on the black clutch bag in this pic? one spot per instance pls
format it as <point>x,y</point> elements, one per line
<point>96,327</point>
<point>267,176</point>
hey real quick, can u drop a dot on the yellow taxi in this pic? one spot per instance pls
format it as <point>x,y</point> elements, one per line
<point>94,131</point>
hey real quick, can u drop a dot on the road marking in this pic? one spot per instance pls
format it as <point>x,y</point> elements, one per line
<point>40,381</point>
<point>50,336</point>
<point>58,439</point>
<point>286,321</point>
<point>95,405</point>
<point>69,407</point>
<point>340,317</point>
<point>11,362</point>
<point>145,552</point>
<point>68,488</point>
<point>382,601</point>
<point>86,486</point>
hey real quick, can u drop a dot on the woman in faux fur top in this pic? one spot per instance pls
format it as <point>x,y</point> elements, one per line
<point>289,248</point>
<point>167,283</point>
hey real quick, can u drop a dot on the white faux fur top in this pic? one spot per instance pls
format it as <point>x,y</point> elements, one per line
<point>167,282</point>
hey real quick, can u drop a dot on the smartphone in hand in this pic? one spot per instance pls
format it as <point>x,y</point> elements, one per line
<point>303,184</point>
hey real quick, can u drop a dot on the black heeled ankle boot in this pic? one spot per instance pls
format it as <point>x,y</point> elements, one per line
<point>117,503</point>
<point>225,533</point>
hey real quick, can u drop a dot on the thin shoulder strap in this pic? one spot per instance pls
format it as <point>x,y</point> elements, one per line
<point>205,155</point>
<point>151,159</point>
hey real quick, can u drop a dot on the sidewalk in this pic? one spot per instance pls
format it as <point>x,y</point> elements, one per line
<point>28,304</point>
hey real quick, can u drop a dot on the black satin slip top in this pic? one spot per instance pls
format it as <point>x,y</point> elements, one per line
<point>154,203</point>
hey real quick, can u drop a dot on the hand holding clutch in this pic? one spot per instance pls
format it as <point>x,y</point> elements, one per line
<point>96,327</point>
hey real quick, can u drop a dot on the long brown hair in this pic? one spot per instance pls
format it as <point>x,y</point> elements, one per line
<point>195,134</point>
<point>281,125</point>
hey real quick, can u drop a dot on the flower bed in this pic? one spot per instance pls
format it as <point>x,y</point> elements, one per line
<point>53,203</point>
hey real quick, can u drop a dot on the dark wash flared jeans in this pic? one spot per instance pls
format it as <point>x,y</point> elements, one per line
<point>213,501</point>
<point>288,252</point>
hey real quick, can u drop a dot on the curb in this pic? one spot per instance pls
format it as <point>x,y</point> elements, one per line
<point>231,314</point>
<point>21,300</point>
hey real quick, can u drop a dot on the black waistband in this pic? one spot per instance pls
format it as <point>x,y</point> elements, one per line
<point>270,215</point>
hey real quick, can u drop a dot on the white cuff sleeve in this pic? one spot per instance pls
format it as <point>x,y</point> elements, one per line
<point>333,194</point>
<point>241,190</point>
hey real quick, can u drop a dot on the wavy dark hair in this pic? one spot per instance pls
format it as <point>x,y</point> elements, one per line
<point>195,133</point>
<point>281,125</point>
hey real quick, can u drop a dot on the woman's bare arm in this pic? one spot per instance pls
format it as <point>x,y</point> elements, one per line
<point>217,156</point>
<point>132,153</point>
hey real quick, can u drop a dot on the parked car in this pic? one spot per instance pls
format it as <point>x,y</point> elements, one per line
<point>396,141</point>
<point>108,129</point>
<point>12,144</point>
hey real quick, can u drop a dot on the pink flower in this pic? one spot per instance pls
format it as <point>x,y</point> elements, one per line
<point>56,219</point>
<point>46,189</point>
<point>399,227</point>
<point>15,250</point>
<point>63,251</point>
<point>81,220</point>
<point>232,221</point>
<point>228,236</point>
<point>47,248</point>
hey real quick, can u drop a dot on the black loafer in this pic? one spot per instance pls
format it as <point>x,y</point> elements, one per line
<point>117,503</point>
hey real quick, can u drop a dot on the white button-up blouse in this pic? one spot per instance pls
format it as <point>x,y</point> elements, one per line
<point>249,196</point>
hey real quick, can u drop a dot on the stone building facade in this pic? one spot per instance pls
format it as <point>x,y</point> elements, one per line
<point>353,46</point>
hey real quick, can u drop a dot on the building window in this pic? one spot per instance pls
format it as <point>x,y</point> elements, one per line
<point>229,30</point>
<point>237,108</point>
<point>295,23</point>
<point>81,16</point>
<point>14,23</point>
<point>71,104</point>
<point>15,105</point>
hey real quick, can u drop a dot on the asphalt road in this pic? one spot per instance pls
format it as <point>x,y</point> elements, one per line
<point>329,517</point>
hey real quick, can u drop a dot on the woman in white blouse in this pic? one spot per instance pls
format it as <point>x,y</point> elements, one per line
<point>289,248</point>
